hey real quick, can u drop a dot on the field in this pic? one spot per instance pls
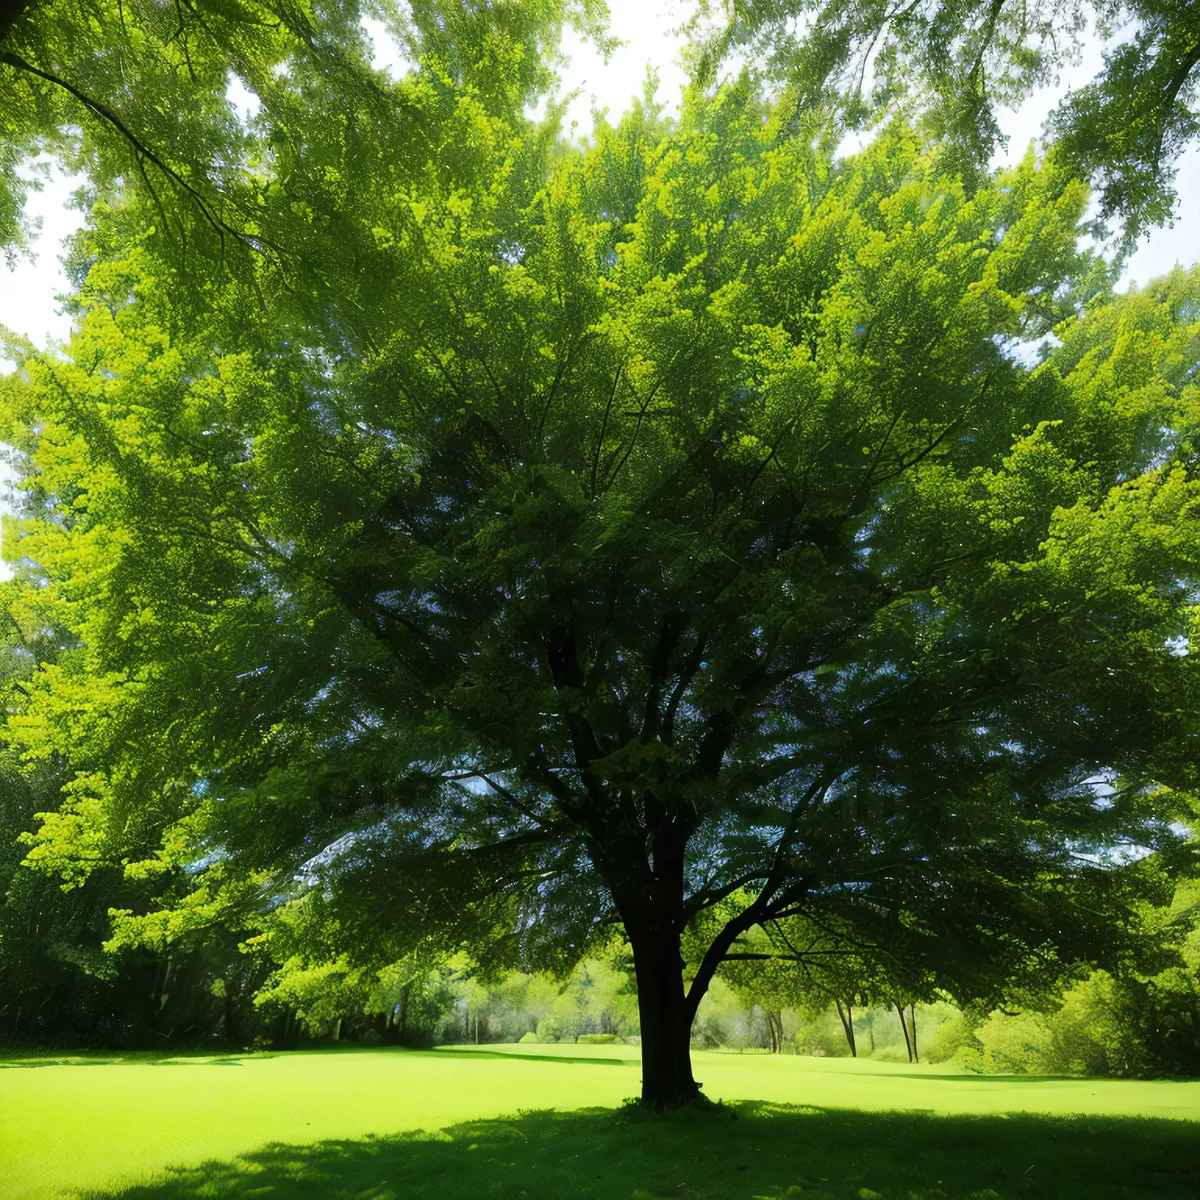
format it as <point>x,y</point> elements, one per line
<point>543,1123</point>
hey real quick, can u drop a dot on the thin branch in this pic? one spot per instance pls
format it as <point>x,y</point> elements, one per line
<point>101,110</point>
<point>510,797</point>
<point>637,429</point>
<point>988,34</point>
<point>685,678</point>
<point>710,896</point>
<point>604,424</point>
<point>1174,86</point>
<point>559,371</point>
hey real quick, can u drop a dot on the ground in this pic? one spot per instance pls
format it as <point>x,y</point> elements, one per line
<point>544,1123</point>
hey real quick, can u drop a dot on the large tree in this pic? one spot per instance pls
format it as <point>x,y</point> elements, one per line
<point>659,529</point>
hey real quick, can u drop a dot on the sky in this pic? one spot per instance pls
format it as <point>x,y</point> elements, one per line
<point>27,294</point>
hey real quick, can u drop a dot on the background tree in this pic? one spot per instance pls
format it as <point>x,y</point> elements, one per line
<point>829,970</point>
<point>958,63</point>
<point>761,978</point>
<point>320,982</point>
<point>810,966</point>
<point>58,983</point>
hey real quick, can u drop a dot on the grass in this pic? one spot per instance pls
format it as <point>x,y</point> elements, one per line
<point>544,1123</point>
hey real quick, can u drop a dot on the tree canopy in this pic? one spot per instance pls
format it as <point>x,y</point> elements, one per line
<point>137,96</point>
<point>147,103</point>
<point>960,64</point>
<point>515,537</point>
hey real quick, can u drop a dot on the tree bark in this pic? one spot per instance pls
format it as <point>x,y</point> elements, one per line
<point>774,1028</point>
<point>904,1027</point>
<point>846,1016</point>
<point>666,1013</point>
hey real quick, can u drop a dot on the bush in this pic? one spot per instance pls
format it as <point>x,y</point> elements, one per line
<point>598,1039</point>
<point>1015,1044</point>
<point>953,1040</point>
<point>822,1035</point>
<point>1096,1030</point>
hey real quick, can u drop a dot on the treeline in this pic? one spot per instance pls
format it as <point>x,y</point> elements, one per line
<point>1098,1026</point>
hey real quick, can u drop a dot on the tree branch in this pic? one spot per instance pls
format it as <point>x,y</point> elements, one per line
<point>141,150</point>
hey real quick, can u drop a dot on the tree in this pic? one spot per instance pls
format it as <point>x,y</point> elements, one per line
<point>807,965</point>
<point>763,979</point>
<point>58,984</point>
<point>138,96</point>
<point>958,62</point>
<point>595,1000</point>
<point>315,980</point>
<point>609,531</point>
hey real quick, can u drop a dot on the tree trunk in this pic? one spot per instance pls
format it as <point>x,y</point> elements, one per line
<point>904,1027</point>
<point>666,1013</point>
<point>402,1019</point>
<point>912,1012</point>
<point>229,1018</point>
<point>774,1028</point>
<point>846,1016</point>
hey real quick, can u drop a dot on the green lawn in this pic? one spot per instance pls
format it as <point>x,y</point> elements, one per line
<point>472,1122</point>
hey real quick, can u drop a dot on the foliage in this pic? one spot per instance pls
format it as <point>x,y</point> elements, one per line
<point>597,1000</point>
<point>329,990</point>
<point>527,537</point>
<point>139,96</point>
<point>1103,1026</point>
<point>511,1009</point>
<point>958,63</point>
<point>954,1042</point>
<point>59,982</point>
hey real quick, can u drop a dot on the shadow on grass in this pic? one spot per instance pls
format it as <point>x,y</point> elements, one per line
<point>210,1058</point>
<point>581,1060</point>
<point>184,1057</point>
<point>768,1152</point>
<point>129,1058</point>
<point>959,1076</point>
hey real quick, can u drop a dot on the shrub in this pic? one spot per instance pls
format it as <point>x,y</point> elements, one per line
<point>1015,1044</point>
<point>953,1040</point>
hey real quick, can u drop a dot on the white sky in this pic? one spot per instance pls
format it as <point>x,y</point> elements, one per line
<point>27,294</point>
